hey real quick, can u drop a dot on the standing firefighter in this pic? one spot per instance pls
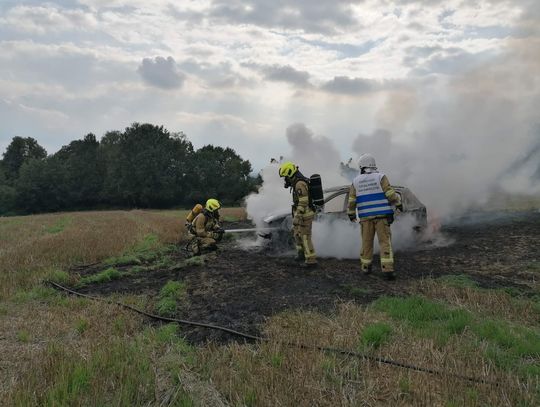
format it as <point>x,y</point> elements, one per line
<point>370,197</point>
<point>303,213</point>
<point>205,229</point>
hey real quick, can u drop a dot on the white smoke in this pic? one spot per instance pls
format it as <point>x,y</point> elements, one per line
<point>341,238</point>
<point>313,154</point>
<point>461,142</point>
<point>331,238</point>
<point>455,141</point>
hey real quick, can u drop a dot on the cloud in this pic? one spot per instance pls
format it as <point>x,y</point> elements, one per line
<point>162,73</point>
<point>215,75</point>
<point>44,19</point>
<point>288,74</point>
<point>350,86</point>
<point>281,73</point>
<point>95,61</point>
<point>322,16</point>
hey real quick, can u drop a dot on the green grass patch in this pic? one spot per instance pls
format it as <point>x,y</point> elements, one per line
<point>59,225</point>
<point>430,318</point>
<point>195,261</point>
<point>81,326</point>
<point>139,269</point>
<point>230,218</point>
<point>250,398</point>
<point>146,250</point>
<point>374,335</point>
<point>510,347</point>
<point>458,281</point>
<point>170,335</point>
<point>23,336</point>
<point>356,291</point>
<point>125,260</point>
<point>149,245</point>
<point>47,295</point>
<point>120,373</point>
<point>58,276</point>
<point>170,295</point>
<point>101,277</point>
<point>166,307</point>
<point>276,360</point>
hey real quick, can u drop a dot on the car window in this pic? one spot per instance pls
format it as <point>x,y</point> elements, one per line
<point>336,203</point>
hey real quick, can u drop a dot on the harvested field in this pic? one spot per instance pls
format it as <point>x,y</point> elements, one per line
<point>240,288</point>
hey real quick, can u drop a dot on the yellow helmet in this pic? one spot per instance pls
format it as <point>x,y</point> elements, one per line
<point>212,205</point>
<point>287,169</point>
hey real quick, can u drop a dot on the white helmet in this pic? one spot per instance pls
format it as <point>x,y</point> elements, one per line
<point>367,161</point>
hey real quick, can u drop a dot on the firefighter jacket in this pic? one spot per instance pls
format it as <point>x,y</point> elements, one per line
<point>371,195</point>
<point>204,225</point>
<point>301,203</point>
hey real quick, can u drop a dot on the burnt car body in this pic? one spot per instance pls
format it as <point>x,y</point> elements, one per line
<point>336,201</point>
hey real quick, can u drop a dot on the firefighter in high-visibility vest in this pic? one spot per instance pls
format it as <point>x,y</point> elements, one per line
<point>370,200</point>
<point>205,229</point>
<point>303,213</point>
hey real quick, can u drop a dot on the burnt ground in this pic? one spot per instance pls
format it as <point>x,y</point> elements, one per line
<point>239,288</point>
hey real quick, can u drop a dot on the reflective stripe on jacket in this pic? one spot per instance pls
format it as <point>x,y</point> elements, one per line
<point>370,197</point>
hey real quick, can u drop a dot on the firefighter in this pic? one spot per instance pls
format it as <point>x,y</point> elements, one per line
<point>205,229</point>
<point>370,197</point>
<point>303,213</point>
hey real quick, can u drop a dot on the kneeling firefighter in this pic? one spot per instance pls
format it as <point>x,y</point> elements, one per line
<point>205,229</point>
<point>303,213</point>
<point>370,197</point>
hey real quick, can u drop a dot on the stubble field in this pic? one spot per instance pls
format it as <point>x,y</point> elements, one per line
<point>471,308</point>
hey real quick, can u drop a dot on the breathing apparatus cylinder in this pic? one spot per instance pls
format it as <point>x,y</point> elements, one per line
<point>316,190</point>
<point>194,212</point>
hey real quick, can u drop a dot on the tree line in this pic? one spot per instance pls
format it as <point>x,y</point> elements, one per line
<point>144,166</point>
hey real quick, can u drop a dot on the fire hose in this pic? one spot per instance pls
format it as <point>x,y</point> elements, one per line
<point>290,344</point>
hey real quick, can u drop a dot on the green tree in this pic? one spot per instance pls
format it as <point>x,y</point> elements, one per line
<point>7,194</point>
<point>42,186</point>
<point>221,173</point>
<point>146,166</point>
<point>84,171</point>
<point>20,150</point>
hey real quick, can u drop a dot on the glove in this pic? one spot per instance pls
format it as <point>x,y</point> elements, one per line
<point>352,217</point>
<point>399,207</point>
<point>390,219</point>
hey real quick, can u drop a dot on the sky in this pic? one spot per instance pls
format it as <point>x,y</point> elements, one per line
<point>374,73</point>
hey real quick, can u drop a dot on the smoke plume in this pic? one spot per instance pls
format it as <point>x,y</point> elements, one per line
<point>457,142</point>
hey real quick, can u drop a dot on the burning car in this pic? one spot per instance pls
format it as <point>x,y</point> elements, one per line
<point>277,227</point>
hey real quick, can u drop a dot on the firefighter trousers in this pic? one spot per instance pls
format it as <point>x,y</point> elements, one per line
<point>369,228</point>
<point>302,239</point>
<point>199,245</point>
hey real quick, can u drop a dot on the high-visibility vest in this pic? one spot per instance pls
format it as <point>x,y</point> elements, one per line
<point>370,197</point>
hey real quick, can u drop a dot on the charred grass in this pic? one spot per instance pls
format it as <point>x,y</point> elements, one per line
<point>72,351</point>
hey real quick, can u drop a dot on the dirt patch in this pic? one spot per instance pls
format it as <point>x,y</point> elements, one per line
<point>239,289</point>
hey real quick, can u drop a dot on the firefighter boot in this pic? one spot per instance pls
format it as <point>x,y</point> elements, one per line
<point>300,257</point>
<point>368,269</point>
